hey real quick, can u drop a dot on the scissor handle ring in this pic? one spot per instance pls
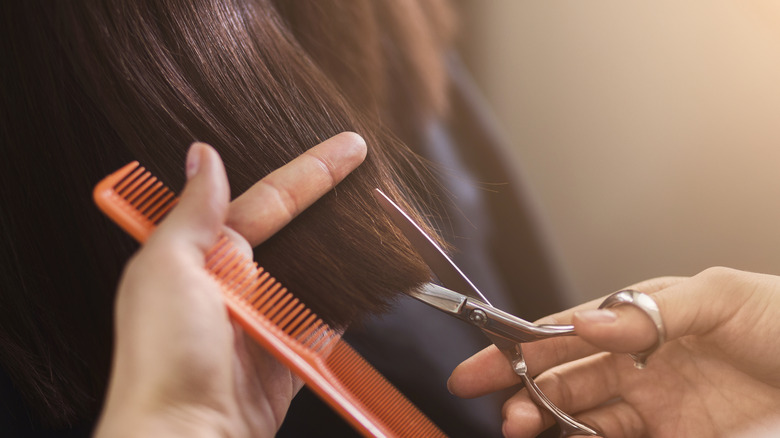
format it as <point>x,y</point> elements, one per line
<point>646,304</point>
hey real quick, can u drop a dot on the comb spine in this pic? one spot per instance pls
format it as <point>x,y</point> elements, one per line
<point>116,208</point>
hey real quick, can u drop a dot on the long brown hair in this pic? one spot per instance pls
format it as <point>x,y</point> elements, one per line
<point>88,86</point>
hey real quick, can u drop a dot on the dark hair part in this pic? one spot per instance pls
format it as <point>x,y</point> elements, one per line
<point>88,86</point>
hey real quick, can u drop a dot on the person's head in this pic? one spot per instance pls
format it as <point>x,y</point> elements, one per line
<point>89,86</point>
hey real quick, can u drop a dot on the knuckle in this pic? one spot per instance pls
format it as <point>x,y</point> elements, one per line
<point>656,284</point>
<point>562,391</point>
<point>285,198</point>
<point>514,416</point>
<point>325,166</point>
<point>561,350</point>
<point>719,273</point>
<point>549,353</point>
<point>719,279</point>
<point>663,281</point>
<point>506,408</point>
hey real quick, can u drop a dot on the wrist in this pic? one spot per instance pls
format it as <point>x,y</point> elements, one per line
<point>135,421</point>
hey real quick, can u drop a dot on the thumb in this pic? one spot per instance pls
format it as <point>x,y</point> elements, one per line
<point>691,306</point>
<point>622,329</point>
<point>202,208</point>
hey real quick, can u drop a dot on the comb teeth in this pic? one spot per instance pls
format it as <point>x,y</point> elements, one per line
<point>278,321</point>
<point>145,194</point>
<point>395,410</point>
<point>244,281</point>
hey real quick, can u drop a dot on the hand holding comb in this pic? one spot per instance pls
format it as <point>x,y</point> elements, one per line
<point>274,317</point>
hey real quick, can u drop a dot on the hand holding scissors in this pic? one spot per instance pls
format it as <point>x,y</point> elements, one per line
<point>717,374</point>
<point>458,297</point>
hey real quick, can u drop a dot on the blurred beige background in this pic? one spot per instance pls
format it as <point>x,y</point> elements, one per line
<point>649,132</point>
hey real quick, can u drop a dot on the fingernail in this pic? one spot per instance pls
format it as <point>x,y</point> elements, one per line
<point>449,388</point>
<point>599,316</point>
<point>193,160</point>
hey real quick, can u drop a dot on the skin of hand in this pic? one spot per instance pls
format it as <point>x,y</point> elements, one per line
<point>718,374</point>
<point>180,367</point>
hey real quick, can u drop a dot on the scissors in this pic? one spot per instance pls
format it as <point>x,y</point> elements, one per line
<point>461,299</point>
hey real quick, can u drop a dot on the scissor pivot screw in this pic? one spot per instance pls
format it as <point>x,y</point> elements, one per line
<point>478,317</point>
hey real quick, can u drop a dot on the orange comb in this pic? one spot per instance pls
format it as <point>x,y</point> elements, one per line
<point>137,201</point>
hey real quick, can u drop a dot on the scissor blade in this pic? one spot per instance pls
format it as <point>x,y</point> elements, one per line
<point>441,298</point>
<point>441,265</point>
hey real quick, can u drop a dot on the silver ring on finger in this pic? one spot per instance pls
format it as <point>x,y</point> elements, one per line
<point>646,304</point>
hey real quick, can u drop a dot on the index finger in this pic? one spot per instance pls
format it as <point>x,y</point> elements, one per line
<point>275,200</point>
<point>488,370</point>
